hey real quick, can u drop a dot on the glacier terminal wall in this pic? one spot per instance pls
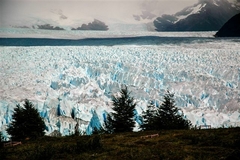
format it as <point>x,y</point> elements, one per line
<point>77,81</point>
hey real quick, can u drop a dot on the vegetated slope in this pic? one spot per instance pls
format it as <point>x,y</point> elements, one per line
<point>204,16</point>
<point>181,144</point>
<point>231,28</point>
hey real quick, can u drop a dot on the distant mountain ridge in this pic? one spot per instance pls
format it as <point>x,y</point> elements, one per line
<point>206,15</point>
<point>95,25</point>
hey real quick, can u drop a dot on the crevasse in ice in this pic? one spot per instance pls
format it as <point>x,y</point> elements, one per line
<point>78,81</point>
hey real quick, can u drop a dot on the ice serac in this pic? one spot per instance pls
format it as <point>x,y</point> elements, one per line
<point>71,84</point>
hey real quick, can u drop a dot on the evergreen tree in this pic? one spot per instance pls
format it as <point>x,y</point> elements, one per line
<point>98,131</point>
<point>76,133</point>
<point>1,143</point>
<point>121,120</point>
<point>1,138</point>
<point>109,124</point>
<point>149,116</point>
<point>168,115</point>
<point>26,123</point>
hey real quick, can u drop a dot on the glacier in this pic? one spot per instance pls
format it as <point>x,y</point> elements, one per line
<point>63,81</point>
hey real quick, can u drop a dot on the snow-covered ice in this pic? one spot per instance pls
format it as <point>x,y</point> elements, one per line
<point>79,80</point>
<point>132,31</point>
<point>191,11</point>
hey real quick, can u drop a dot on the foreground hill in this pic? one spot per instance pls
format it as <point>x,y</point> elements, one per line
<point>231,28</point>
<point>182,144</point>
<point>207,15</point>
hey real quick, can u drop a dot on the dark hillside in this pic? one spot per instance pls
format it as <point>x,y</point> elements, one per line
<point>214,144</point>
<point>206,15</point>
<point>231,28</point>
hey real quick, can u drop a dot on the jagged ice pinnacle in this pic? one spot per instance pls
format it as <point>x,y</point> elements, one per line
<point>64,81</point>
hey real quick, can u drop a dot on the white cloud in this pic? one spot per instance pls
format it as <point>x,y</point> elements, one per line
<point>83,11</point>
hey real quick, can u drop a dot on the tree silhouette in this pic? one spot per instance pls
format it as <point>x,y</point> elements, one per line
<point>109,124</point>
<point>168,116</point>
<point>121,120</point>
<point>26,123</point>
<point>149,117</point>
<point>1,141</point>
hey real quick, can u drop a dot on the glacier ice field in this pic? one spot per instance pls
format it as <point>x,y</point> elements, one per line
<point>63,80</point>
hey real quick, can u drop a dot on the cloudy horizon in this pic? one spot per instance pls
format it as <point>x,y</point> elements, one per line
<point>72,13</point>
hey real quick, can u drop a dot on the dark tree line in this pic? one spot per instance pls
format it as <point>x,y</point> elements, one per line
<point>167,116</point>
<point>27,122</point>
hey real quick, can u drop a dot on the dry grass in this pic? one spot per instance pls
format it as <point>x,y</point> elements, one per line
<point>180,144</point>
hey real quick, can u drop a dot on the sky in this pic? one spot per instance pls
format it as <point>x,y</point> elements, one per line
<point>74,12</point>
